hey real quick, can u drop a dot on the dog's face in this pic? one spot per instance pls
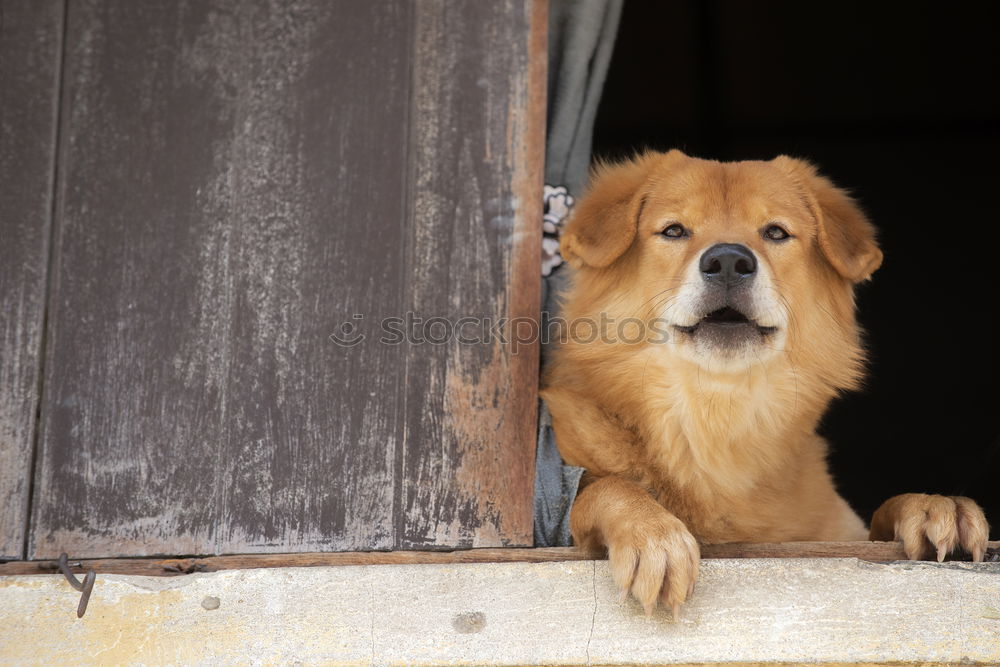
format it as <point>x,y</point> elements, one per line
<point>735,260</point>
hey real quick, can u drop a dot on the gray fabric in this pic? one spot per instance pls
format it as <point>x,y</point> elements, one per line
<point>555,488</point>
<point>581,39</point>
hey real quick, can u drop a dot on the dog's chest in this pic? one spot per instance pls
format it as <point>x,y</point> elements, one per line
<point>721,479</point>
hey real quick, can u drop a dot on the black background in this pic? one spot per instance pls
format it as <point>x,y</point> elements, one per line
<point>898,103</point>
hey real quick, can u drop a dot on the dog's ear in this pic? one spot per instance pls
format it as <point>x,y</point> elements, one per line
<point>845,235</point>
<point>603,225</point>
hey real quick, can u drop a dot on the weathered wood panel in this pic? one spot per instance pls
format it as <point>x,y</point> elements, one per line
<point>30,43</point>
<point>468,468</point>
<point>233,189</point>
<point>239,180</point>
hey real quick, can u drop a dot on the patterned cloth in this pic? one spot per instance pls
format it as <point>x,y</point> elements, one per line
<point>558,203</point>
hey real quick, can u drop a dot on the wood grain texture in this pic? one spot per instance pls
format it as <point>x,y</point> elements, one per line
<point>234,179</point>
<point>30,44</point>
<point>869,551</point>
<point>239,179</point>
<point>467,469</point>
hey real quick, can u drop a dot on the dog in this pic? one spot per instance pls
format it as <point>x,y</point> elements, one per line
<point>723,298</point>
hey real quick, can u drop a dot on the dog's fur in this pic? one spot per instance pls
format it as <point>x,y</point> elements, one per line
<point>710,435</point>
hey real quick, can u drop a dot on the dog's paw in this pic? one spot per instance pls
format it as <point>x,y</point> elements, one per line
<point>931,525</point>
<point>654,557</point>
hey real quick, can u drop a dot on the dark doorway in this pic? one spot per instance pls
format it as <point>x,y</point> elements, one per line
<point>898,103</point>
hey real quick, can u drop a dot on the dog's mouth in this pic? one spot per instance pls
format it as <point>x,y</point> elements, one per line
<point>727,319</point>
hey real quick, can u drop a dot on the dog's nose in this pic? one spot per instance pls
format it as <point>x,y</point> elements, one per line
<point>728,264</point>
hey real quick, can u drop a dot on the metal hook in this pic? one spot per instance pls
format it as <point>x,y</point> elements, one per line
<point>86,586</point>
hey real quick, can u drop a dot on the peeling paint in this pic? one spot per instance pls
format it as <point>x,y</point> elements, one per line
<point>230,180</point>
<point>476,399</point>
<point>240,178</point>
<point>472,145</point>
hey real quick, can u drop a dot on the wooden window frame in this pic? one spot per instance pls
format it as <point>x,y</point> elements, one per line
<point>525,292</point>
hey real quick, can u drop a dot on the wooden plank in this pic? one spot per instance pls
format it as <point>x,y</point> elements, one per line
<point>868,551</point>
<point>233,187</point>
<point>467,468</point>
<point>239,180</point>
<point>30,45</point>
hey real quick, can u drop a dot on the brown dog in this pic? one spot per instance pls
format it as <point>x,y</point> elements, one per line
<point>718,301</point>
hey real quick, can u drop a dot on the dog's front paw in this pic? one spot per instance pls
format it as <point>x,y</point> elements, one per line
<point>929,523</point>
<point>656,558</point>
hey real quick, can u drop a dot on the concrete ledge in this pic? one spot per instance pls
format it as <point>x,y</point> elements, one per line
<point>743,611</point>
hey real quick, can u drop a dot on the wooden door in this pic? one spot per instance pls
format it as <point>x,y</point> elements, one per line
<point>240,184</point>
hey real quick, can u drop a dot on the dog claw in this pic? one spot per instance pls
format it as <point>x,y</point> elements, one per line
<point>932,525</point>
<point>655,560</point>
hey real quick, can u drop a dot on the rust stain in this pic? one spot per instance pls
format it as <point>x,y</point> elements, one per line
<point>472,484</point>
<point>491,466</point>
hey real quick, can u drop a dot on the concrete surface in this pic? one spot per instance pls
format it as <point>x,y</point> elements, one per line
<point>826,611</point>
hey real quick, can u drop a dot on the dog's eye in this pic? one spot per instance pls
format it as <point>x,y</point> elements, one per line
<point>775,233</point>
<point>675,231</point>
